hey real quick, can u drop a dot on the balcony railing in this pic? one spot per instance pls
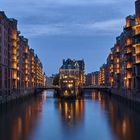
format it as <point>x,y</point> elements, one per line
<point>137,49</point>
<point>128,50</point>
<point>129,65</point>
<point>137,61</point>
<point>129,75</point>
<point>137,29</point>
<point>128,42</point>
<point>137,32</point>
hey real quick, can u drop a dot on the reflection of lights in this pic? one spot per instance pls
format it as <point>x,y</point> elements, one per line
<point>66,107</point>
<point>19,125</point>
<point>99,97</point>
<point>77,106</point>
<point>69,116</point>
<point>94,95</point>
<point>72,111</point>
<point>44,95</point>
<point>66,93</point>
<point>60,107</point>
<point>125,78</point>
<point>72,91</point>
<point>69,85</point>
<point>124,127</point>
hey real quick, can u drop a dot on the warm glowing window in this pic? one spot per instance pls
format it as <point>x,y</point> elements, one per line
<point>14,43</point>
<point>26,66</point>
<point>128,50</point>
<point>26,78</point>
<point>129,75</point>
<point>129,65</point>
<point>117,49</point>
<point>128,24</point>
<point>118,71</point>
<point>118,66</point>
<point>26,61</point>
<point>14,75</point>
<point>137,29</point>
<point>14,35</point>
<point>137,20</point>
<point>128,41</point>
<point>14,65</point>
<point>26,71</point>
<point>14,51</point>
<point>118,60</point>
<point>14,57</point>
<point>26,50</point>
<point>137,49</point>
<point>138,59</point>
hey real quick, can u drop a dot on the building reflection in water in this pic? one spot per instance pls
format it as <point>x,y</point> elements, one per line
<point>122,119</point>
<point>17,120</point>
<point>20,121</point>
<point>71,111</point>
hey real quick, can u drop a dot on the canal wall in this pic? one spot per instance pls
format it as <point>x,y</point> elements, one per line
<point>130,96</point>
<point>17,95</point>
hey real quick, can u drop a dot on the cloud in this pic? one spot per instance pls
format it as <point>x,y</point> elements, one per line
<point>98,28</point>
<point>60,2</point>
<point>47,17</point>
<point>106,26</point>
<point>80,2</point>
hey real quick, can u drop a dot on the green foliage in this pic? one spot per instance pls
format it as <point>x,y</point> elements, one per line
<point>56,80</point>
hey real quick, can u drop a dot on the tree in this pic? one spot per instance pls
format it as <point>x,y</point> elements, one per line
<point>56,80</point>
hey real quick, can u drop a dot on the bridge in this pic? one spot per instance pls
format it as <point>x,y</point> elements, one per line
<point>57,89</point>
<point>83,88</point>
<point>96,87</point>
<point>49,88</point>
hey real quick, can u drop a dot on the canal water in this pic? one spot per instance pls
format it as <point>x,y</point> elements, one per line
<point>95,117</point>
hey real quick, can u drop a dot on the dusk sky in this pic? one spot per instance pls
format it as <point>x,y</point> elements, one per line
<point>77,29</point>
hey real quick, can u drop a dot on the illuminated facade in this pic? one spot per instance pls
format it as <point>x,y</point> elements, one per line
<point>95,79</point>
<point>20,69</point>
<point>102,77</point>
<point>136,45</point>
<point>98,78</point>
<point>8,54</point>
<point>38,72</point>
<point>71,77</point>
<point>44,80</point>
<point>89,79</point>
<point>92,79</point>
<point>110,68</point>
<point>123,62</point>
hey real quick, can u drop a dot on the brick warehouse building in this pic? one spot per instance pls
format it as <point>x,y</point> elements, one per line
<point>20,68</point>
<point>123,62</point>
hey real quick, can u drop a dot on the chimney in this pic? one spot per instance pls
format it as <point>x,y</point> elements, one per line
<point>137,8</point>
<point>63,61</point>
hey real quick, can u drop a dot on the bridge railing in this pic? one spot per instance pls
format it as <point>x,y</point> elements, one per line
<point>49,87</point>
<point>96,87</point>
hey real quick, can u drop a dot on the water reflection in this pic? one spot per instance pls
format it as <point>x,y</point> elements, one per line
<point>123,120</point>
<point>71,111</point>
<point>96,117</point>
<point>17,119</point>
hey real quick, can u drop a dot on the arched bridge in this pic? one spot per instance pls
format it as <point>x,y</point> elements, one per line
<point>84,87</point>
<point>58,88</point>
<point>49,88</point>
<point>96,87</point>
